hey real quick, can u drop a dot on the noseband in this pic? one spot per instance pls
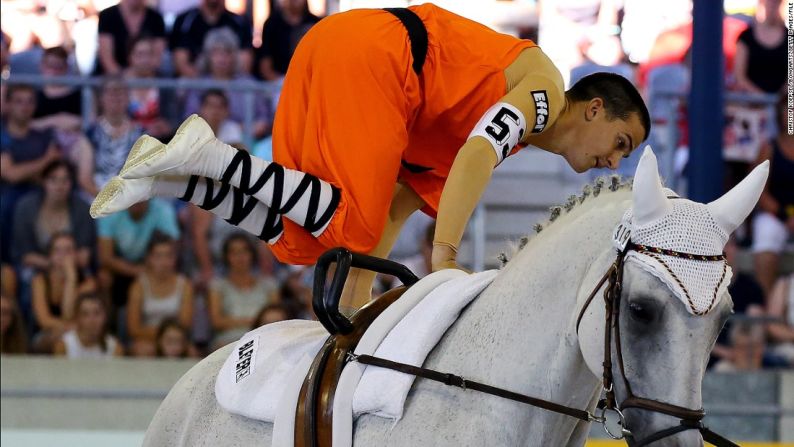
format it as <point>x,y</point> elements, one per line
<point>689,419</point>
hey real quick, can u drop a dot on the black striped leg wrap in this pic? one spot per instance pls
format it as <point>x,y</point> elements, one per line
<point>243,211</point>
<point>317,214</point>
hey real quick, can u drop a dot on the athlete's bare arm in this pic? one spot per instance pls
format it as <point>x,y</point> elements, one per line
<point>533,102</point>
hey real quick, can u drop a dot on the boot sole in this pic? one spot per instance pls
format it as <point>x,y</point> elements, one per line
<point>136,168</point>
<point>105,196</point>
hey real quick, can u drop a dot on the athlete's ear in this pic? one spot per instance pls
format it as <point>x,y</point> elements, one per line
<point>594,108</point>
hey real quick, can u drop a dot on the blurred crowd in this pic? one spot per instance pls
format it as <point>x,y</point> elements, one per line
<point>166,278</point>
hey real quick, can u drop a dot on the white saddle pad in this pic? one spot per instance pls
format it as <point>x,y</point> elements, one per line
<point>251,381</point>
<point>262,377</point>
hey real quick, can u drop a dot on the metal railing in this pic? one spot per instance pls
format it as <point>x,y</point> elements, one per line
<point>665,148</point>
<point>88,85</point>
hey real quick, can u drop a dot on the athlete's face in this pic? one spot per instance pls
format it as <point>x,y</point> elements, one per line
<point>601,142</point>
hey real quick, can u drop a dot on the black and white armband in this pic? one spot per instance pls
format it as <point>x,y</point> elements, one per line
<point>503,125</point>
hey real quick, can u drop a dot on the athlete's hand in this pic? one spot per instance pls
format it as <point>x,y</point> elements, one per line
<point>444,257</point>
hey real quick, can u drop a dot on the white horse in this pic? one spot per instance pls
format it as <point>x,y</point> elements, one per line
<point>521,334</point>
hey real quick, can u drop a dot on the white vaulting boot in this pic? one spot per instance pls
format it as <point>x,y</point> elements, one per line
<point>223,200</point>
<point>142,145</point>
<point>194,150</point>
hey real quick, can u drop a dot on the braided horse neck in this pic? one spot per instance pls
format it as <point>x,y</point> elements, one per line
<point>519,334</point>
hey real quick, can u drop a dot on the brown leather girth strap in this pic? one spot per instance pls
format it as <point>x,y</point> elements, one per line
<point>313,416</point>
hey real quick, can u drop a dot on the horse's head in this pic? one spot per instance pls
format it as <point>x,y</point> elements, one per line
<point>668,304</point>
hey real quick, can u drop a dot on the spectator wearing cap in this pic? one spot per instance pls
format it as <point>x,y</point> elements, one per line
<point>191,28</point>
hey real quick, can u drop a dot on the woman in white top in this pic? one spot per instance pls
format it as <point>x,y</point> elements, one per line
<point>90,337</point>
<point>160,292</point>
<point>235,300</point>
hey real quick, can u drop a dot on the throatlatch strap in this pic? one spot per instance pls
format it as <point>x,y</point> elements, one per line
<point>242,159</point>
<point>241,206</point>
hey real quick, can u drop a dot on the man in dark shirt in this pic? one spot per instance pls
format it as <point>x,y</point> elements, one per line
<point>58,106</point>
<point>280,35</point>
<point>190,28</point>
<point>118,25</point>
<point>24,153</point>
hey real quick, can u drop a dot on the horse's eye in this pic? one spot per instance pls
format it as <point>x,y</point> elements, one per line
<point>641,312</point>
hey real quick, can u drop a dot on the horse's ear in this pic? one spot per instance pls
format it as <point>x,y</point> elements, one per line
<point>734,206</point>
<point>650,203</point>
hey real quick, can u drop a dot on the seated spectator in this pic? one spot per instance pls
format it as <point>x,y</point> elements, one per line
<point>271,313</point>
<point>283,29</point>
<point>220,61</point>
<point>760,64</point>
<point>748,299</point>
<point>118,25</point>
<point>123,239</point>
<point>55,291</point>
<point>89,338</point>
<point>57,105</point>
<point>191,28</point>
<point>215,111</point>
<point>781,306</point>
<point>747,348</point>
<point>13,338</point>
<point>112,136</point>
<point>235,299</point>
<point>159,292</point>
<point>24,153</point>
<point>173,340</point>
<point>149,107</point>
<point>773,225</point>
<point>52,210</point>
<point>294,295</point>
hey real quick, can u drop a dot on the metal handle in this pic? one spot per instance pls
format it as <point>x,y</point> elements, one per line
<point>326,305</point>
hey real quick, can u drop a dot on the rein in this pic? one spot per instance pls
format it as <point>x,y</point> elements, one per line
<point>689,419</point>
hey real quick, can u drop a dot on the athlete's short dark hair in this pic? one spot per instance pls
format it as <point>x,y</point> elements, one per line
<point>620,97</point>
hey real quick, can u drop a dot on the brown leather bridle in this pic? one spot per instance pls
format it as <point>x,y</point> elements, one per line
<point>690,419</point>
<point>326,306</point>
